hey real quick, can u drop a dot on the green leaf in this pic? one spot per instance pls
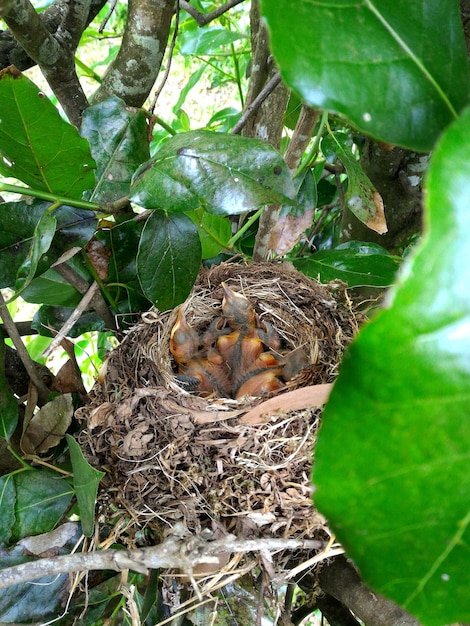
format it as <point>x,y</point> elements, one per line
<point>36,145</point>
<point>357,264</point>
<point>361,196</point>
<point>392,463</point>
<point>119,144</point>
<point>214,231</point>
<point>225,174</point>
<point>52,288</point>
<point>41,499</point>
<point>169,259</point>
<point>54,317</point>
<point>207,40</point>
<point>398,70</point>
<point>8,404</point>
<point>7,508</point>
<point>85,481</point>
<point>18,221</point>
<point>42,238</point>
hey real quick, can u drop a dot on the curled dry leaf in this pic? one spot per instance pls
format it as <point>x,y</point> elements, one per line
<point>47,427</point>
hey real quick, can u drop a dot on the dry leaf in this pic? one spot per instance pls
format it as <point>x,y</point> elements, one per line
<point>47,427</point>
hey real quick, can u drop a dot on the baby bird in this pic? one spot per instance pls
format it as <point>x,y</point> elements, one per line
<point>184,341</point>
<point>204,373</point>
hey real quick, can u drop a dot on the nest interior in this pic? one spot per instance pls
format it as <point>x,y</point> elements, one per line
<point>171,455</point>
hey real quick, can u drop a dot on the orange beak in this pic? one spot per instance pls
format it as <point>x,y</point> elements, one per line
<point>183,340</point>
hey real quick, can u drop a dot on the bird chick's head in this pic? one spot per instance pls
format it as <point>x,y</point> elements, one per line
<point>237,309</point>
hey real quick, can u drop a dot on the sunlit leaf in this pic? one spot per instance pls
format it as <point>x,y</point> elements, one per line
<point>225,174</point>
<point>37,146</point>
<point>398,70</point>
<point>214,232</point>
<point>393,455</point>
<point>169,258</point>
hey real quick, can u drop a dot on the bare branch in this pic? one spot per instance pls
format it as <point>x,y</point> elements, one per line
<point>174,552</point>
<point>204,18</point>
<point>252,108</point>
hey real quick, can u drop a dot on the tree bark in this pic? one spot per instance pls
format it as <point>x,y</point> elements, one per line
<point>132,74</point>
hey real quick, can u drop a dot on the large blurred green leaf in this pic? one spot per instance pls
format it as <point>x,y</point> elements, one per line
<point>36,145</point>
<point>169,259</point>
<point>356,263</point>
<point>118,137</point>
<point>225,174</point>
<point>18,221</point>
<point>398,70</point>
<point>392,464</point>
<point>214,231</point>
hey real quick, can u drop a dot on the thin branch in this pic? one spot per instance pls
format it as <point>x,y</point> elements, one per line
<point>171,50</point>
<point>174,552</point>
<point>204,18</point>
<point>257,102</point>
<point>82,286</point>
<point>9,326</point>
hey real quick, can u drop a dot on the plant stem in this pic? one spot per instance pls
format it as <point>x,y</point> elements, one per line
<point>45,195</point>
<point>244,228</point>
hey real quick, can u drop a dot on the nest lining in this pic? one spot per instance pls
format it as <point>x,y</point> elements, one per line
<point>171,456</point>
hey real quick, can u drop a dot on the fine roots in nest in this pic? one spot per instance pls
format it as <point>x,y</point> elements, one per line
<point>176,457</point>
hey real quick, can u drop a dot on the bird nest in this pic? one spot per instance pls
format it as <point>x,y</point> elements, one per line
<point>174,455</point>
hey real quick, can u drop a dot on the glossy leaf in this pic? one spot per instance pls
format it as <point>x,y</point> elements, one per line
<point>392,460</point>
<point>357,264</point>
<point>85,481</point>
<point>118,140</point>
<point>8,403</point>
<point>52,288</point>
<point>398,70</point>
<point>37,146</point>
<point>18,221</point>
<point>225,174</point>
<point>361,197</point>
<point>169,259</point>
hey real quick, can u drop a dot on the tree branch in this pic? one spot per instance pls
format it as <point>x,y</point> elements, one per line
<point>340,579</point>
<point>203,19</point>
<point>12,53</point>
<point>174,552</point>
<point>133,72</point>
